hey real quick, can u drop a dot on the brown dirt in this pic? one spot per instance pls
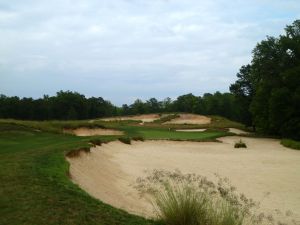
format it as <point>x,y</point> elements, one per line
<point>186,118</point>
<point>109,171</point>
<point>83,131</point>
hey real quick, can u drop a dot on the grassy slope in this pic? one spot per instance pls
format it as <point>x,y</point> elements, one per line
<point>36,190</point>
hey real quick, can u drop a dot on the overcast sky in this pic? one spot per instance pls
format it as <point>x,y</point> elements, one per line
<point>127,49</point>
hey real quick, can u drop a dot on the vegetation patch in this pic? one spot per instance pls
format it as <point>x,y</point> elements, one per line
<point>240,144</point>
<point>291,143</point>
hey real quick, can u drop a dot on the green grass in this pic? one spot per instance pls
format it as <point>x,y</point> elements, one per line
<point>291,143</point>
<point>35,188</point>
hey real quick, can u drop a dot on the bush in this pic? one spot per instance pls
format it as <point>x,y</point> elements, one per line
<point>291,143</point>
<point>240,144</point>
<point>125,140</point>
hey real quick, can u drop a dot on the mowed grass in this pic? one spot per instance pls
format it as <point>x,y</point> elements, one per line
<point>35,188</point>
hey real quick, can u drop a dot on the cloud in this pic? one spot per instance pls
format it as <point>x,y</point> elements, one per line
<point>124,48</point>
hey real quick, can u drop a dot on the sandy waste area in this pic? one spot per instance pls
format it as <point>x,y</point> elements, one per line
<point>186,118</point>
<point>110,171</point>
<point>143,118</point>
<point>83,131</point>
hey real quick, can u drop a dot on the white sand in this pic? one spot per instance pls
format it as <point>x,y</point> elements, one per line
<point>186,118</point>
<point>109,171</point>
<point>191,130</point>
<point>84,131</point>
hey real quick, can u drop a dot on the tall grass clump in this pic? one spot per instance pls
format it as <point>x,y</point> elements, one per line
<point>189,199</point>
<point>291,144</point>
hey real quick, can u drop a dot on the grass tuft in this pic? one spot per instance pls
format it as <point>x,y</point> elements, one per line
<point>76,152</point>
<point>138,138</point>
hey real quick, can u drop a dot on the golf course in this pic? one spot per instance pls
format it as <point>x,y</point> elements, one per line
<point>51,176</point>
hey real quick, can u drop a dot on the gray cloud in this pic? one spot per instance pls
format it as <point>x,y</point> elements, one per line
<point>125,49</point>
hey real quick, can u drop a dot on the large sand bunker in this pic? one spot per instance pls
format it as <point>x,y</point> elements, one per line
<point>84,131</point>
<point>109,171</point>
<point>143,118</point>
<point>186,118</point>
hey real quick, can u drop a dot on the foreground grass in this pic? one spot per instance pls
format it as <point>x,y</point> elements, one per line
<point>291,143</point>
<point>35,188</point>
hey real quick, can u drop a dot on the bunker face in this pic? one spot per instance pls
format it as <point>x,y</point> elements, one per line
<point>186,118</point>
<point>143,118</point>
<point>83,131</point>
<point>110,171</point>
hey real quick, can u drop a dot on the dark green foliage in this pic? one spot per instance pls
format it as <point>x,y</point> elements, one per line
<point>291,144</point>
<point>125,140</point>
<point>270,87</point>
<point>240,144</point>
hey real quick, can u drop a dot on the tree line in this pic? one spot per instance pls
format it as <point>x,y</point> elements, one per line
<point>67,105</point>
<point>268,89</point>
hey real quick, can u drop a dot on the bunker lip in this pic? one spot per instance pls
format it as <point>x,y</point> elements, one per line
<point>85,131</point>
<point>109,172</point>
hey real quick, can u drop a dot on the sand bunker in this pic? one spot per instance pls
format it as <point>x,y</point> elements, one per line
<point>143,118</point>
<point>237,131</point>
<point>84,131</point>
<point>186,118</point>
<point>109,171</point>
<point>191,130</point>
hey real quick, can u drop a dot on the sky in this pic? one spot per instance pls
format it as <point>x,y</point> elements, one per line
<point>122,50</point>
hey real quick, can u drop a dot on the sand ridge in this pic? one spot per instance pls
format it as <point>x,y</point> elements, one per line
<point>84,131</point>
<point>188,118</point>
<point>144,118</point>
<point>109,171</point>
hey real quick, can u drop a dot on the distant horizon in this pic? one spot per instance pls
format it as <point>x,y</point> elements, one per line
<point>124,50</point>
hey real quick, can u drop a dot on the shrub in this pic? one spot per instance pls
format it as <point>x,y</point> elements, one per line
<point>125,140</point>
<point>240,144</point>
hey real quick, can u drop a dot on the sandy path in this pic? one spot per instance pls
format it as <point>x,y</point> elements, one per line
<point>109,171</point>
<point>186,118</point>
<point>83,131</point>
